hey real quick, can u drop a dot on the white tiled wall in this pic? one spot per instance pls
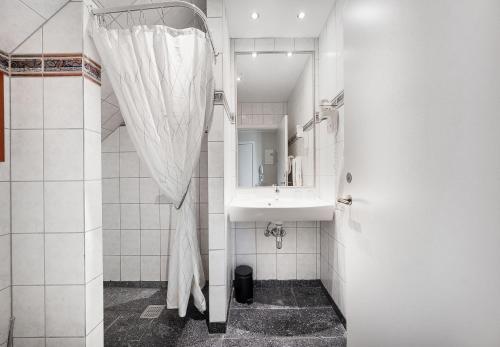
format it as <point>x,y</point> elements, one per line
<point>221,172</point>
<point>55,222</point>
<point>260,113</point>
<point>137,219</point>
<point>330,154</point>
<point>279,44</point>
<point>220,189</point>
<point>298,259</point>
<point>54,198</point>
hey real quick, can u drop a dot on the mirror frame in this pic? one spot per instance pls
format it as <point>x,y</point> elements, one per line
<point>313,116</point>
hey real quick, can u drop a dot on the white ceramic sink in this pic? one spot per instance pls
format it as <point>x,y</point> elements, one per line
<point>277,208</point>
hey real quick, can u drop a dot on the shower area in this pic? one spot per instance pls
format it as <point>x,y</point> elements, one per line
<point>164,112</point>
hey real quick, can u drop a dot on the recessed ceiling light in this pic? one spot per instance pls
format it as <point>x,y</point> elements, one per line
<point>301,15</point>
<point>254,15</point>
<point>289,54</point>
<point>254,55</point>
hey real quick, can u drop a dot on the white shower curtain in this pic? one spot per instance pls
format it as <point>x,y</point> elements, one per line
<point>163,80</point>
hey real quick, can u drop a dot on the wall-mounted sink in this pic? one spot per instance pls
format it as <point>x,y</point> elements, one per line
<point>264,208</point>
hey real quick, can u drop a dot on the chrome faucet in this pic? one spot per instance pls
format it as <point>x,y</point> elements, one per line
<point>276,188</point>
<point>276,230</point>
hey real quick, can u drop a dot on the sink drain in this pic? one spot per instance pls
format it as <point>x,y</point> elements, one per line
<point>152,311</point>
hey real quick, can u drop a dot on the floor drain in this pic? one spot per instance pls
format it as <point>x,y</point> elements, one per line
<point>152,311</point>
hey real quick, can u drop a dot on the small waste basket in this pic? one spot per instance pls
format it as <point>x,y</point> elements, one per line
<point>243,284</point>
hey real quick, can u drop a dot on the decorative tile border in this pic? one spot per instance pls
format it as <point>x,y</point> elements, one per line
<point>26,65</point>
<point>62,64</point>
<point>47,65</point>
<point>4,62</point>
<point>91,69</point>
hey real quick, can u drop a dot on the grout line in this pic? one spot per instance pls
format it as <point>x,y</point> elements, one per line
<point>119,129</point>
<point>84,206</point>
<point>53,233</point>
<point>43,197</point>
<point>53,181</point>
<point>10,199</point>
<point>94,328</point>
<point>51,285</point>
<point>296,252</point>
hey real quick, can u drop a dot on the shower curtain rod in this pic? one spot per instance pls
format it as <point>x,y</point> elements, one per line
<point>160,5</point>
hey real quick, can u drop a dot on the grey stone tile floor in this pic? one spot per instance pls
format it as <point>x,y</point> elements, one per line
<point>292,316</point>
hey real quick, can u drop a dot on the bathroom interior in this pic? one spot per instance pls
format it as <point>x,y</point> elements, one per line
<point>249,173</point>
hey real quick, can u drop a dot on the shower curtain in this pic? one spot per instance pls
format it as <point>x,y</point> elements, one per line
<point>163,80</point>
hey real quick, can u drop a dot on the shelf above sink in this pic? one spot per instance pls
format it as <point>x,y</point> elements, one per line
<point>267,209</point>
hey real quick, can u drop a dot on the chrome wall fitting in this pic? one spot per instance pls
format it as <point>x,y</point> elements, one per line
<point>276,230</point>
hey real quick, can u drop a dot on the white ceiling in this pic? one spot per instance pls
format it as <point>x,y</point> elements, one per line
<point>278,18</point>
<point>268,77</point>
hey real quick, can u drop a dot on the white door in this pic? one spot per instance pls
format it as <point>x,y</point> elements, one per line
<point>282,162</point>
<point>245,164</point>
<point>422,143</point>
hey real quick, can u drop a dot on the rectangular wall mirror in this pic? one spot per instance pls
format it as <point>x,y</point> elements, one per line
<point>276,128</point>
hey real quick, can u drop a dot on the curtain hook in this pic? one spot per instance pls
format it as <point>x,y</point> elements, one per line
<point>130,19</point>
<point>194,17</point>
<point>162,16</point>
<point>196,22</point>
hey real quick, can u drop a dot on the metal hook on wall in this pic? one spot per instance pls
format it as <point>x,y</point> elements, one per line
<point>163,16</point>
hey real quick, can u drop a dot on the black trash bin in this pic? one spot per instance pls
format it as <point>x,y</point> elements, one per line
<point>243,284</point>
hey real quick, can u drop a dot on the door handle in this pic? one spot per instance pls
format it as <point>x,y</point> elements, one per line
<point>346,200</point>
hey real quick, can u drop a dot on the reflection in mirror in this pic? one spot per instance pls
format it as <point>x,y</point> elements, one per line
<point>275,93</point>
<point>262,153</point>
